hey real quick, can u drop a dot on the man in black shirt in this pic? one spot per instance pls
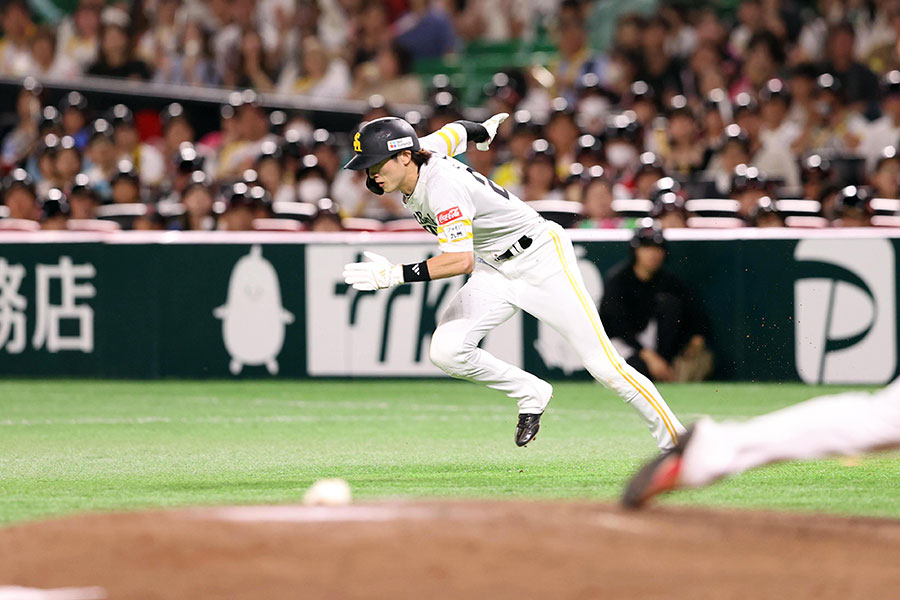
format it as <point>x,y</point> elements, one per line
<point>652,317</point>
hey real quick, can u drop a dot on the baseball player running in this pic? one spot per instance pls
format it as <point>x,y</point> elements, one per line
<point>845,424</point>
<point>517,261</point>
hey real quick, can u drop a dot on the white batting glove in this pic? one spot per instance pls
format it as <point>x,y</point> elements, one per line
<point>376,274</point>
<point>491,125</point>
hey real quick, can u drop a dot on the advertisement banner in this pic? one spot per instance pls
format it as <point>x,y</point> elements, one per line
<point>819,307</point>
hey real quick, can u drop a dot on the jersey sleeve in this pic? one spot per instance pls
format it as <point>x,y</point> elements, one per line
<point>449,139</point>
<point>453,210</point>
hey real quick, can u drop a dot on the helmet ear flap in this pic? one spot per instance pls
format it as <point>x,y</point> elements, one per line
<point>372,185</point>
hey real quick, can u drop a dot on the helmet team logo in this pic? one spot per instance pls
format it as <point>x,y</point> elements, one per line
<point>394,145</point>
<point>844,311</point>
<point>357,146</point>
<point>253,318</point>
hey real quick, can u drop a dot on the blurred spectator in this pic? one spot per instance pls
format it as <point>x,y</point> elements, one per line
<point>46,61</point>
<point>19,196</point>
<point>318,74</point>
<point>523,135</point>
<point>125,185</point>
<point>885,180</point>
<point>539,179</point>
<point>879,48</point>
<point>733,150</point>
<point>312,181</point>
<point>198,201</point>
<point>765,214</point>
<point>79,33</point>
<point>149,160</point>
<point>270,169</point>
<point>54,211</point>
<point>816,175</point>
<point>159,42</point>
<point>776,134</point>
<point>562,133</point>
<point>15,46</point>
<point>115,57</point>
<point>803,88</point>
<point>648,173</point>
<point>389,75</point>
<point>191,63</point>
<point>834,126</point>
<point>860,85</point>
<point>426,31</point>
<point>659,69</point>
<point>151,220</point>
<point>597,201</point>
<point>251,131</point>
<point>748,185</point>
<point>73,110</point>
<point>240,209</point>
<point>764,55</point>
<point>684,153</point>
<point>575,57</point>
<point>884,131</point>
<point>652,318</point>
<point>327,217</point>
<point>246,64</point>
<point>852,207</point>
<point>20,141</point>
<point>68,162</point>
<point>669,211</point>
<point>83,199</point>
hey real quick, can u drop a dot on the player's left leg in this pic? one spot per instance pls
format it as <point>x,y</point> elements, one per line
<point>551,289</point>
<point>482,304</point>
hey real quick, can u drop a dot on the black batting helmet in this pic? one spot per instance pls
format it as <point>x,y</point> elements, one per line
<point>380,139</point>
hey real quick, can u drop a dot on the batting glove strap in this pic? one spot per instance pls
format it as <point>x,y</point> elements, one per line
<point>376,274</point>
<point>491,125</point>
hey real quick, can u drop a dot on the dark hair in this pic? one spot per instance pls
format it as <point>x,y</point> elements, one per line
<point>403,57</point>
<point>420,157</point>
<point>770,41</point>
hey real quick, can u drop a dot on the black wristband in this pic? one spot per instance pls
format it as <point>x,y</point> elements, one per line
<point>416,272</point>
<point>475,132</point>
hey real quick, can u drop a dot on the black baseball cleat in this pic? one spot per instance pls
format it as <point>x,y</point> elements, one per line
<point>657,476</point>
<point>527,428</point>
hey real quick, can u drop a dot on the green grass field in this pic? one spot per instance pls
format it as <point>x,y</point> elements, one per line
<point>68,446</point>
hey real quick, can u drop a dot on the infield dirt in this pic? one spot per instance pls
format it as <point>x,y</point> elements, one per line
<point>457,550</point>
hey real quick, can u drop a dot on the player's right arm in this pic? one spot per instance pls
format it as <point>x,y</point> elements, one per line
<point>378,272</point>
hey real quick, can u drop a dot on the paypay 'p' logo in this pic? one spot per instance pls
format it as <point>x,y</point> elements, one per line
<point>845,311</point>
<point>357,147</point>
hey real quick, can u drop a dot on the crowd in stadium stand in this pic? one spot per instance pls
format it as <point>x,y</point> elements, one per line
<point>778,114</point>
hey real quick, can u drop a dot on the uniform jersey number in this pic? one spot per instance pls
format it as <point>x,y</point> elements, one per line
<point>486,181</point>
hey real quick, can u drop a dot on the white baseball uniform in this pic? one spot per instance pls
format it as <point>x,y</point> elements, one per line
<point>468,212</point>
<point>842,424</point>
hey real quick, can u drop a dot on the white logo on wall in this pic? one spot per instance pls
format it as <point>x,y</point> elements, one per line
<point>388,332</point>
<point>553,348</point>
<point>253,319</point>
<point>845,328</point>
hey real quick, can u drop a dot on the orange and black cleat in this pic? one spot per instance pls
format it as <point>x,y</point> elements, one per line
<point>657,476</point>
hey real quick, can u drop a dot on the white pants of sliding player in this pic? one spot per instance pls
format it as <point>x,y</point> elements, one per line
<point>544,281</point>
<point>843,424</point>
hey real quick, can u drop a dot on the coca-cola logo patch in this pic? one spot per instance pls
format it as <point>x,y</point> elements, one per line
<point>448,215</point>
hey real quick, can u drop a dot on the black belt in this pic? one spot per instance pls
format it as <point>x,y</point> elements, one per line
<point>520,246</point>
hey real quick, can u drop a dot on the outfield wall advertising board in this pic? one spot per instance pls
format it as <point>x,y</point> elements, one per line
<point>814,306</point>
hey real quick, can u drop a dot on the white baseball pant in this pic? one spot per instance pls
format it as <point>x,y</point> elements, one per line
<point>545,282</point>
<point>843,424</point>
